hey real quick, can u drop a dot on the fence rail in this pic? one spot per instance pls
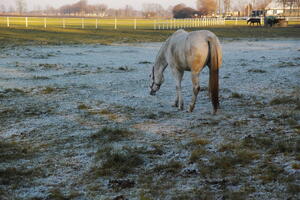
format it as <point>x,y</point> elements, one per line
<point>99,23</point>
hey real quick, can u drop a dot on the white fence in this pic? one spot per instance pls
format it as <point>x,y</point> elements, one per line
<point>98,23</point>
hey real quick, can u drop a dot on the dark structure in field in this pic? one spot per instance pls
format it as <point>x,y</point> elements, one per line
<point>181,11</point>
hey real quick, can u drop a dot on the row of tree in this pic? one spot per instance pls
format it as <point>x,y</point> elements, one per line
<point>203,8</point>
<point>83,8</point>
<point>225,8</point>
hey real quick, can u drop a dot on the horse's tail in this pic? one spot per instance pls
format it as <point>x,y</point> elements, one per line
<point>215,64</point>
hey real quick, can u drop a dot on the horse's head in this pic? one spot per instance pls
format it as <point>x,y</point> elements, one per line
<point>157,78</point>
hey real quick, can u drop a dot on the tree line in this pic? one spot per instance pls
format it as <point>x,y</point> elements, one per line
<point>152,10</point>
<point>82,8</point>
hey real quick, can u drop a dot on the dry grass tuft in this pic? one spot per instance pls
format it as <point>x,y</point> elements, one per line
<point>118,163</point>
<point>257,71</point>
<point>108,134</point>
<point>284,100</point>
<point>197,154</point>
<point>236,95</point>
<point>83,106</point>
<point>170,167</point>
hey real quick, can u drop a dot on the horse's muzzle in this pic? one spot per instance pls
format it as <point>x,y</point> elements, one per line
<point>152,92</point>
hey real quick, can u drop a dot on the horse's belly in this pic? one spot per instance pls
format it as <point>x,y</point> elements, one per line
<point>180,62</point>
<point>186,68</point>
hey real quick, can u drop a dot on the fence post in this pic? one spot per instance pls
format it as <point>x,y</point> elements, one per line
<point>26,22</point>
<point>45,22</point>
<point>236,21</point>
<point>134,24</point>
<point>96,23</point>
<point>82,23</point>
<point>115,23</point>
<point>7,20</point>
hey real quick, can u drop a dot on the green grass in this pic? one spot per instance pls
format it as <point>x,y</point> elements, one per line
<point>59,36</point>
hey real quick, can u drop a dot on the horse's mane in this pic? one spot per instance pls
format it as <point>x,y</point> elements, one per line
<point>161,56</point>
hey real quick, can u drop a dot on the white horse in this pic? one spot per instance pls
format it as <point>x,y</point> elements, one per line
<point>192,51</point>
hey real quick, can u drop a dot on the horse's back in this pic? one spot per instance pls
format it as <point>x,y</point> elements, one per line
<point>201,39</point>
<point>190,51</point>
<point>201,43</point>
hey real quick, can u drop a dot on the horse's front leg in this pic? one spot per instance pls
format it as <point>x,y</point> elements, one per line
<point>178,78</point>
<point>176,100</point>
<point>196,89</point>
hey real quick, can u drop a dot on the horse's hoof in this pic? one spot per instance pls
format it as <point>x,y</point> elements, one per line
<point>191,109</point>
<point>180,108</point>
<point>215,112</point>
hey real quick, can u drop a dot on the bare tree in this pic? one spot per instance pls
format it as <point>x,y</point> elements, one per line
<point>291,5</point>
<point>2,8</point>
<point>207,6</point>
<point>128,10</point>
<point>153,10</point>
<point>66,9</point>
<point>101,9</point>
<point>80,7</point>
<point>11,9</point>
<point>50,10</point>
<point>182,11</point>
<point>227,6</point>
<point>262,4</point>
<point>298,7</point>
<point>287,4</point>
<point>21,6</point>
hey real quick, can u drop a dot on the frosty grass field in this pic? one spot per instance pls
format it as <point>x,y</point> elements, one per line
<point>77,122</point>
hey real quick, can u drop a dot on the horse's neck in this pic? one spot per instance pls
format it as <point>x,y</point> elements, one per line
<point>161,57</point>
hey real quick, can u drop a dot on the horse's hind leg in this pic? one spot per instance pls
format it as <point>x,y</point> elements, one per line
<point>196,89</point>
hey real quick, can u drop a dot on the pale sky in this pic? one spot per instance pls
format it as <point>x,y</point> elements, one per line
<point>137,4</point>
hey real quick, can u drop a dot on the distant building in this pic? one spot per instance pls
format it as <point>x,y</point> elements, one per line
<point>276,8</point>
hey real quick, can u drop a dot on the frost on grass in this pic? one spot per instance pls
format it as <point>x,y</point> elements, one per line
<point>76,133</point>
